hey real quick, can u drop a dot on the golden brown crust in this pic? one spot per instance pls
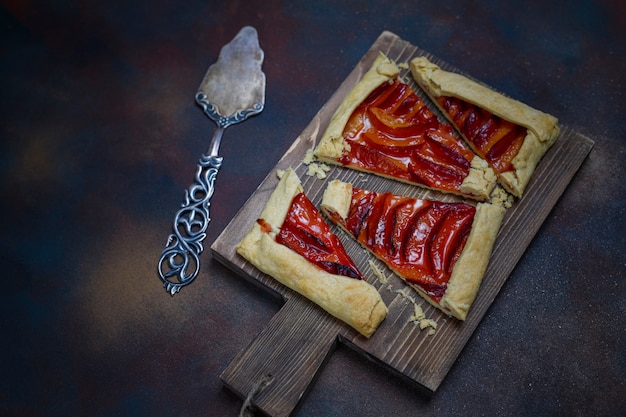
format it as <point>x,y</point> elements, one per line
<point>542,128</point>
<point>351,300</point>
<point>477,185</point>
<point>469,269</point>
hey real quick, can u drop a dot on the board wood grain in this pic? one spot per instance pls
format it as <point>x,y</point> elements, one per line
<point>296,343</point>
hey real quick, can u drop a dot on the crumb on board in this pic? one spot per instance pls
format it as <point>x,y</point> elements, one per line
<point>317,169</point>
<point>405,293</point>
<point>418,313</point>
<point>380,276</point>
<point>424,323</point>
<point>419,317</point>
<point>308,157</point>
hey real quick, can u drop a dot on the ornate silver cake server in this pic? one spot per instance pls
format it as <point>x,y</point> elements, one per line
<point>232,90</point>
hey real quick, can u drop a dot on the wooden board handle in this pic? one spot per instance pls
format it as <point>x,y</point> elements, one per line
<point>287,354</point>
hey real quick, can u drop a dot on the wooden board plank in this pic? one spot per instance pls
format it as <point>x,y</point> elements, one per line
<point>297,342</point>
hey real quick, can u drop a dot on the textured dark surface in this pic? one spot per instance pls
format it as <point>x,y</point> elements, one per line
<point>100,136</point>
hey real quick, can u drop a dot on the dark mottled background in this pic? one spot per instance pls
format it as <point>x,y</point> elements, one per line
<point>100,136</point>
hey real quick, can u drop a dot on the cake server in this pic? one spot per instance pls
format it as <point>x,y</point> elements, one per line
<point>232,90</point>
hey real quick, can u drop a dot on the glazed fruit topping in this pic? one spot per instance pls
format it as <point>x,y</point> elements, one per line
<point>394,133</point>
<point>305,232</point>
<point>419,239</point>
<point>494,139</point>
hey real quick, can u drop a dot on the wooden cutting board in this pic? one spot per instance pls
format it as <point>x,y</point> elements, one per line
<point>294,346</point>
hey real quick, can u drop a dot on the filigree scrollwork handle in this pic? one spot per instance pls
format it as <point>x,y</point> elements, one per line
<point>180,260</point>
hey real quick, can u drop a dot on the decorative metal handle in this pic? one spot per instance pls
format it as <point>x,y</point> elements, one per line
<point>180,263</point>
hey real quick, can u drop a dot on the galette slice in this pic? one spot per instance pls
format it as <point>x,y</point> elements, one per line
<point>511,136</point>
<point>440,249</point>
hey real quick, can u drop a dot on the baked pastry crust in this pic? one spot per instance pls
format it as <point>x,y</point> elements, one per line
<point>542,129</point>
<point>351,300</point>
<point>469,268</point>
<point>477,185</point>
